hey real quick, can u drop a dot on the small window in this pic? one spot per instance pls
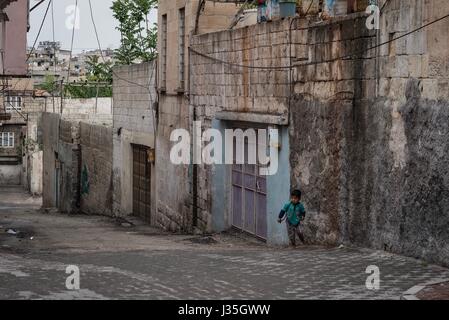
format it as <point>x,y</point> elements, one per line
<point>6,139</point>
<point>13,103</point>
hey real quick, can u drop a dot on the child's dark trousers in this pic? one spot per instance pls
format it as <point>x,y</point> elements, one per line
<point>292,232</point>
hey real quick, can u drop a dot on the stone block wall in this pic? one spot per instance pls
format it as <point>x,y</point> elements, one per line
<point>61,163</point>
<point>263,88</point>
<point>173,181</point>
<point>368,136</point>
<point>96,169</point>
<point>368,133</point>
<point>134,122</point>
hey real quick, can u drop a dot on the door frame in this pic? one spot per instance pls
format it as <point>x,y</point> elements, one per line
<point>244,126</point>
<point>147,216</point>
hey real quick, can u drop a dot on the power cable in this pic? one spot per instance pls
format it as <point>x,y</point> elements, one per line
<point>53,32</point>
<point>119,77</point>
<point>34,46</point>
<point>73,37</point>
<point>324,61</point>
<point>101,51</point>
<point>55,60</point>
<point>39,32</point>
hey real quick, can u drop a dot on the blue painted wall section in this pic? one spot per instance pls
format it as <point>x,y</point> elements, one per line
<point>278,191</point>
<point>220,194</point>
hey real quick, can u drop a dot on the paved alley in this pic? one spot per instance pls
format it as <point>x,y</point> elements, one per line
<point>119,261</point>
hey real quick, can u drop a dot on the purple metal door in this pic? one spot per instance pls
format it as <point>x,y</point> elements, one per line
<point>249,198</point>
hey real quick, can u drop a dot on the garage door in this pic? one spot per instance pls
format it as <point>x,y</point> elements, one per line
<point>249,199</point>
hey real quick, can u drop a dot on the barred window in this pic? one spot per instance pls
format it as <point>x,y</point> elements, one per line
<point>13,103</point>
<point>6,139</point>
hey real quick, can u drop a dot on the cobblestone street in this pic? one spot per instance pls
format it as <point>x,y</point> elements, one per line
<point>138,262</point>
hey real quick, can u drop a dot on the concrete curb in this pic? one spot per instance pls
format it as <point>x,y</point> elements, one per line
<point>411,294</point>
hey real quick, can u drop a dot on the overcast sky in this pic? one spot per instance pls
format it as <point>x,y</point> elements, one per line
<point>84,36</point>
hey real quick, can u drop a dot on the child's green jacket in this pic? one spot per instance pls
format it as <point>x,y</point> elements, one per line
<point>295,213</point>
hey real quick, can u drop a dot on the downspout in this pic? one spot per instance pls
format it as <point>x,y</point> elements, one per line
<point>194,184</point>
<point>194,166</point>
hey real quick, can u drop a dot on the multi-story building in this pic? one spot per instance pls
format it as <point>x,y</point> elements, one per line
<point>361,114</point>
<point>176,185</point>
<point>16,88</point>
<point>48,58</point>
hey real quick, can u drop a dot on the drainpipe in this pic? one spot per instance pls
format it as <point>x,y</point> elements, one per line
<point>194,118</point>
<point>62,96</point>
<point>194,182</point>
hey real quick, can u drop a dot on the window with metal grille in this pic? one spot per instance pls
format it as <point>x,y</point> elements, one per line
<point>181,48</point>
<point>6,139</point>
<point>164,52</point>
<point>13,103</point>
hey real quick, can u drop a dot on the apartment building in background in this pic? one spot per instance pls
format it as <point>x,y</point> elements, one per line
<point>16,89</point>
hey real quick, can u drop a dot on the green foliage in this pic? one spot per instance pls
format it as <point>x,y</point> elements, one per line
<point>249,5</point>
<point>138,38</point>
<point>80,90</point>
<point>49,84</point>
<point>98,71</point>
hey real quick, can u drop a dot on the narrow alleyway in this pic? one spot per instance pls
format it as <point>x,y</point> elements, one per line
<point>117,260</point>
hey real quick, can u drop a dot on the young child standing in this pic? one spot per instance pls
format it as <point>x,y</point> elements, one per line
<point>295,212</point>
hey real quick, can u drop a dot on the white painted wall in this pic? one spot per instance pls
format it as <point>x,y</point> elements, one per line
<point>10,175</point>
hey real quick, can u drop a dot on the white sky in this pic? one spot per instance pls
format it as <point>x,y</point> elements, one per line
<point>84,36</point>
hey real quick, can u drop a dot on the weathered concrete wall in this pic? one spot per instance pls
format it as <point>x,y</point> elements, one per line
<point>61,163</point>
<point>226,94</point>
<point>214,16</point>
<point>232,88</point>
<point>10,175</point>
<point>135,99</point>
<point>369,136</point>
<point>86,110</point>
<point>50,140</point>
<point>36,172</point>
<point>32,150</point>
<point>93,107</point>
<point>175,183</point>
<point>96,169</point>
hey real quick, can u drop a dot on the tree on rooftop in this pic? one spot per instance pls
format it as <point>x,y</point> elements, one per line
<point>49,84</point>
<point>138,37</point>
<point>98,71</point>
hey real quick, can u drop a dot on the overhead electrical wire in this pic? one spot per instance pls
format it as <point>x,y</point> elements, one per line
<point>39,32</point>
<point>118,76</point>
<point>101,51</point>
<point>34,45</point>
<point>73,37</point>
<point>319,62</point>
